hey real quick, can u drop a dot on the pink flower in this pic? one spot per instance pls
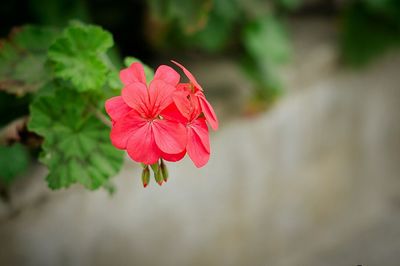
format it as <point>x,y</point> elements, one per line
<point>189,105</point>
<point>195,90</point>
<point>139,125</point>
<point>198,141</point>
<point>165,119</point>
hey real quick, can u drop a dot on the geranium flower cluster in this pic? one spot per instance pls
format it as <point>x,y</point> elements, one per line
<point>162,120</point>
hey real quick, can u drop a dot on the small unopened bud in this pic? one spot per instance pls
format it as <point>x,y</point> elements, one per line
<point>146,176</point>
<point>164,170</point>
<point>157,173</point>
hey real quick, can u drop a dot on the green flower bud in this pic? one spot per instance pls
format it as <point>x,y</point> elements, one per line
<point>146,176</point>
<point>164,170</point>
<point>157,173</point>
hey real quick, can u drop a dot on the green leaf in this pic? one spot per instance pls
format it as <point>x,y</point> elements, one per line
<point>113,81</point>
<point>14,160</point>
<point>78,56</point>
<point>23,57</point>
<point>148,71</point>
<point>76,146</point>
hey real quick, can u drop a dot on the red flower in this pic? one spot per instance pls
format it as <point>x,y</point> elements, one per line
<point>198,142</point>
<point>138,122</point>
<point>195,90</point>
<point>191,103</point>
<point>164,120</point>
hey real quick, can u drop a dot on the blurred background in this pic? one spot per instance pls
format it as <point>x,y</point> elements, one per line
<point>304,170</point>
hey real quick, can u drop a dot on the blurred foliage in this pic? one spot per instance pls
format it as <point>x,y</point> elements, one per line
<point>58,13</point>
<point>216,28</point>
<point>14,160</point>
<point>26,47</point>
<point>189,15</point>
<point>256,31</point>
<point>388,9</point>
<point>369,28</point>
<point>12,107</point>
<point>251,27</point>
<point>288,4</point>
<point>267,46</point>
<point>228,27</point>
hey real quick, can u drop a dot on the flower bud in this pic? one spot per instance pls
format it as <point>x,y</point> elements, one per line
<point>146,176</point>
<point>164,170</point>
<point>157,173</point>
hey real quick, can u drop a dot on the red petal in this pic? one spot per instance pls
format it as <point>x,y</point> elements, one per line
<point>142,146</point>
<point>187,103</point>
<point>136,96</point>
<point>116,108</point>
<point>167,74</point>
<point>182,102</point>
<point>160,96</point>
<point>124,128</point>
<point>188,74</point>
<point>208,111</point>
<point>172,113</point>
<point>134,73</point>
<point>173,157</point>
<point>195,107</point>
<point>196,149</point>
<point>199,126</point>
<point>170,136</point>
<point>183,87</point>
